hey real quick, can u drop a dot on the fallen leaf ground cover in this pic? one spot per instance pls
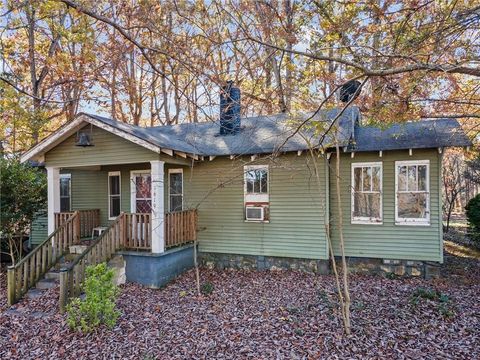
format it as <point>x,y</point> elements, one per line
<point>265,315</point>
<point>3,287</point>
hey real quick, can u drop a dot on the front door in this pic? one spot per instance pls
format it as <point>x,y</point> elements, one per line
<point>141,183</point>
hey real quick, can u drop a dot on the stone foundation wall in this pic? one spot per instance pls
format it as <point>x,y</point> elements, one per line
<point>256,262</point>
<point>400,268</point>
<point>384,267</point>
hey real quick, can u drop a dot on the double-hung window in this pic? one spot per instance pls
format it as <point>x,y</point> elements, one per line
<point>175,189</point>
<point>256,193</point>
<point>367,193</point>
<point>113,194</point>
<point>65,192</point>
<point>256,179</point>
<point>412,202</point>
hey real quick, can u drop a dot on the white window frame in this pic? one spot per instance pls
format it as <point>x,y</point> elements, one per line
<point>413,221</point>
<point>363,219</point>
<point>255,197</point>
<point>119,174</point>
<point>133,190</point>
<point>174,171</point>
<point>67,176</point>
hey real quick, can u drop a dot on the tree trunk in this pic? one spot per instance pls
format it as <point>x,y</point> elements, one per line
<point>288,64</point>
<point>197,271</point>
<point>346,292</point>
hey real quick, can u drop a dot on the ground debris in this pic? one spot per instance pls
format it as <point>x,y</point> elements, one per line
<point>261,315</point>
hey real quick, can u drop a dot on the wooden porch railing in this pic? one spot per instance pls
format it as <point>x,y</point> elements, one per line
<point>89,219</point>
<point>138,231</point>
<point>25,274</point>
<point>101,250</point>
<point>180,227</point>
<point>128,231</point>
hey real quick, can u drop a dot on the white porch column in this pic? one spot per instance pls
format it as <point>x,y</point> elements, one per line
<point>158,207</point>
<point>53,190</point>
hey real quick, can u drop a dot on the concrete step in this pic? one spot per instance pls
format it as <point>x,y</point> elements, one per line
<point>65,260</point>
<point>77,249</point>
<point>68,257</point>
<point>55,275</point>
<point>46,284</point>
<point>117,263</point>
<point>34,293</point>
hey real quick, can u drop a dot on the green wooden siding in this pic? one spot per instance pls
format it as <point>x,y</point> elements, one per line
<point>297,209</point>
<point>90,188</point>
<point>298,204</point>
<point>388,241</point>
<point>39,228</point>
<point>108,149</point>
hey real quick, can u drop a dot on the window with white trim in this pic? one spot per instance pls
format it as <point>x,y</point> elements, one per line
<point>114,194</point>
<point>141,191</point>
<point>367,193</point>
<point>256,179</point>
<point>256,189</point>
<point>175,189</point>
<point>412,202</point>
<point>65,192</point>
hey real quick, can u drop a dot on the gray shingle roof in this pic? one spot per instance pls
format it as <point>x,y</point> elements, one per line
<point>411,135</point>
<point>267,134</point>
<point>259,135</point>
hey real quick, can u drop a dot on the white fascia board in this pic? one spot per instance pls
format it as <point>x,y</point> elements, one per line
<point>52,140</point>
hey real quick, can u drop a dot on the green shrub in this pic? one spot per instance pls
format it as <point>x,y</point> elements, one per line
<point>23,192</point>
<point>392,276</point>
<point>444,305</point>
<point>425,294</point>
<point>206,288</point>
<point>473,217</point>
<point>98,307</point>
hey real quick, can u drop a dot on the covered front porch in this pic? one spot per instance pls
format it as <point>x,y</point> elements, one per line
<point>149,196</point>
<point>180,228</point>
<point>96,197</point>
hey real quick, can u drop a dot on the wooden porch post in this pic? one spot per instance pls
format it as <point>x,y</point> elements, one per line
<point>158,207</point>
<point>53,189</point>
<point>11,285</point>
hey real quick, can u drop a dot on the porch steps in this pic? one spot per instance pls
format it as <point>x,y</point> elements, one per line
<point>78,249</point>
<point>34,293</point>
<point>46,284</point>
<point>55,275</point>
<point>52,277</point>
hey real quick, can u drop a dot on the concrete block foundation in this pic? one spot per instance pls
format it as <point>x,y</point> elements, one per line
<point>156,270</point>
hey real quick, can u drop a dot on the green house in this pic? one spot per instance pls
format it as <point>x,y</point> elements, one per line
<point>256,192</point>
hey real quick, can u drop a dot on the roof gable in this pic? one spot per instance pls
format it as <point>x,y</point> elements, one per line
<point>107,149</point>
<point>71,128</point>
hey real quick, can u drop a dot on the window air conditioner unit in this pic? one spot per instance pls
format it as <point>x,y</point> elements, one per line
<point>255,213</point>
